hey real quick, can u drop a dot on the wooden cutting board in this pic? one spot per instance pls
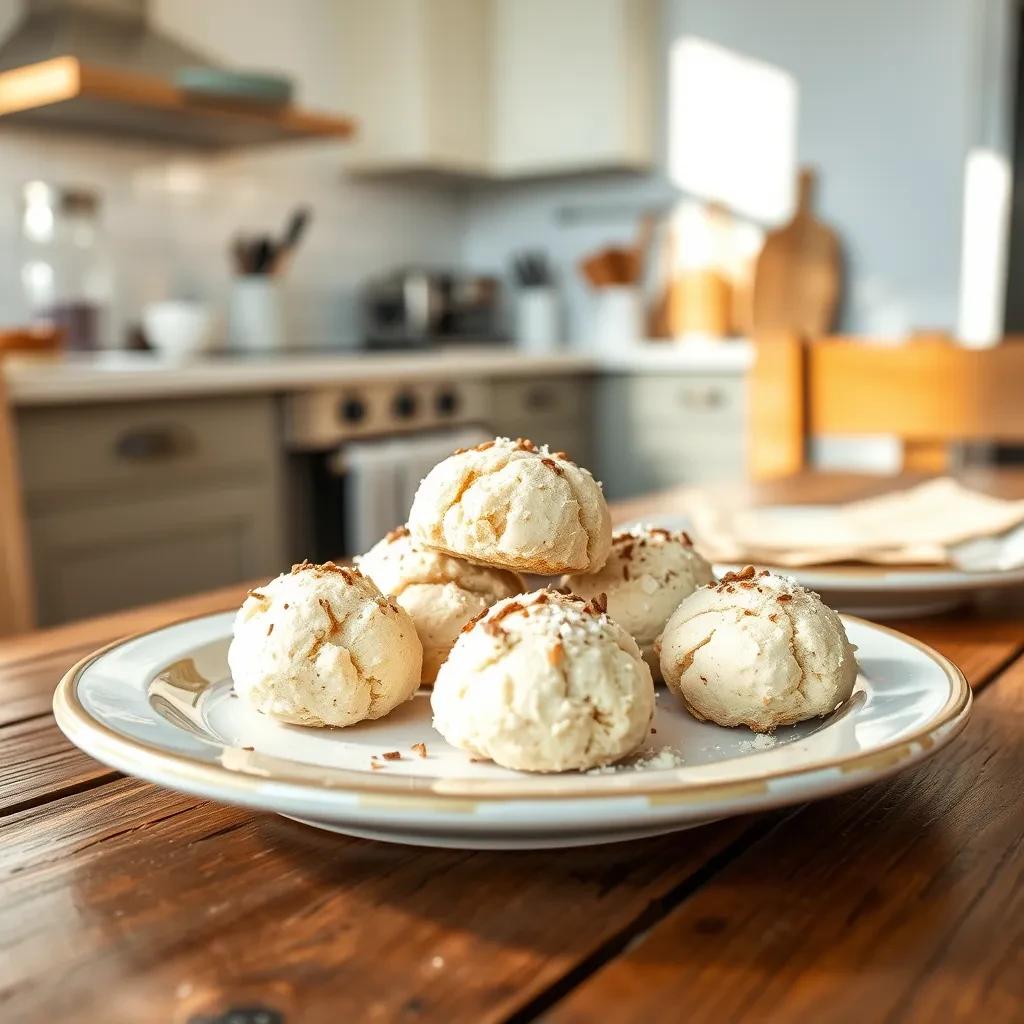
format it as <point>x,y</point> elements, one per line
<point>797,279</point>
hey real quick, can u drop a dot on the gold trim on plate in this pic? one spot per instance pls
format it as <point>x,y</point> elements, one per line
<point>462,795</point>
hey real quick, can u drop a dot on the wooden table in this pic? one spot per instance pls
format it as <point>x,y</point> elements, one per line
<point>120,901</point>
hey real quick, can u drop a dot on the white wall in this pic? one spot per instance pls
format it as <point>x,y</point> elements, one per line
<point>170,214</point>
<point>884,112</point>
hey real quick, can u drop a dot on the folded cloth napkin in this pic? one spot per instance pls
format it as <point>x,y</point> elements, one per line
<point>918,526</point>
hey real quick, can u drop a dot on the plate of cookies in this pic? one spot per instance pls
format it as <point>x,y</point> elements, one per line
<point>505,672</point>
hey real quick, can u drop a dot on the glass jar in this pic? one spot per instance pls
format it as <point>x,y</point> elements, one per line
<point>65,269</point>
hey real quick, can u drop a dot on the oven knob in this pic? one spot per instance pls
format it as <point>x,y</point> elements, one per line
<point>352,410</point>
<point>404,405</point>
<point>446,402</point>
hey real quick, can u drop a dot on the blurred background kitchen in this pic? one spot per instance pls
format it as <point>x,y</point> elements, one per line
<point>262,264</point>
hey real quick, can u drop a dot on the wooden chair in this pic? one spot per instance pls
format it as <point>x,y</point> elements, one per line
<point>17,598</point>
<point>928,392</point>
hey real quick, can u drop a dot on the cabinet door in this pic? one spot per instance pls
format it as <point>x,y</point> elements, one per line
<point>415,74</point>
<point>553,411</point>
<point>572,85</point>
<point>658,432</point>
<point>101,558</point>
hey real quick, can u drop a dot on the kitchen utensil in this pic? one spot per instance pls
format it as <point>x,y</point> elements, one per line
<point>531,270</point>
<point>179,328</point>
<point>160,706</point>
<point>262,254</point>
<point>599,269</point>
<point>797,277</point>
<point>620,265</point>
<point>634,260</point>
<point>295,229</point>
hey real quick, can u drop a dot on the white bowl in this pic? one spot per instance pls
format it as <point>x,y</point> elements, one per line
<point>179,328</point>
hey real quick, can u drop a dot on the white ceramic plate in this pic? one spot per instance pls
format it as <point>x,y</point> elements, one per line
<point>160,706</point>
<point>880,592</point>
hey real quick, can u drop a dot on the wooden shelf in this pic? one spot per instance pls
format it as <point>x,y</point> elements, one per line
<point>65,92</point>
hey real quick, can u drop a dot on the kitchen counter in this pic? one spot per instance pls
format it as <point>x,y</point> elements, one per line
<point>121,376</point>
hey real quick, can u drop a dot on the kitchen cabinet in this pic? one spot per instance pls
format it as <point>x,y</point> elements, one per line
<point>138,502</point>
<point>654,432</point>
<point>499,88</point>
<point>553,411</point>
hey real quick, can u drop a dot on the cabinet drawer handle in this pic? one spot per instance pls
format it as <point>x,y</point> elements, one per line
<point>152,444</point>
<point>702,398</point>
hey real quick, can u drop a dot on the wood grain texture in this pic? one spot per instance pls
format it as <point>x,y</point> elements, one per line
<point>928,393</point>
<point>120,901</point>
<point>926,390</point>
<point>88,634</point>
<point>145,104</point>
<point>161,902</point>
<point>37,763</point>
<point>899,902</point>
<point>776,407</point>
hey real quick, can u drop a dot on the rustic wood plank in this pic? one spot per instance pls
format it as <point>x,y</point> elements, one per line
<point>37,762</point>
<point>26,688</point>
<point>154,906</point>
<point>107,846</point>
<point>92,633</point>
<point>902,901</point>
<point>32,664</point>
<point>141,900</point>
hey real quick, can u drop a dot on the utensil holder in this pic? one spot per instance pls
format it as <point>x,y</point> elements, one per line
<point>256,314</point>
<point>538,320</point>
<point>618,317</point>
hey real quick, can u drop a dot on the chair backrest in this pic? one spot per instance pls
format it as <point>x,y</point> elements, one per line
<point>17,598</point>
<point>928,392</point>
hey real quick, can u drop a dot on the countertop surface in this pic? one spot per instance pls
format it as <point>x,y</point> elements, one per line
<point>120,901</point>
<point>123,376</point>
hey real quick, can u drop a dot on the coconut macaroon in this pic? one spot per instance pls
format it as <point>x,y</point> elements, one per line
<point>648,572</point>
<point>441,593</point>
<point>322,646</point>
<point>516,506</point>
<point>545,683</point>
<point>757,650</point>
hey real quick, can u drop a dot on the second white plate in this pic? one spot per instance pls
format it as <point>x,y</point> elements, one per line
<point>888,592</point>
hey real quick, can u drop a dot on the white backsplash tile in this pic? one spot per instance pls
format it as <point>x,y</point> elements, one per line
<point>169,216</point>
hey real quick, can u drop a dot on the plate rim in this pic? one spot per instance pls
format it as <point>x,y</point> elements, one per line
<point>945,581</point>
<point>424,794</point>
<point>948,579</point>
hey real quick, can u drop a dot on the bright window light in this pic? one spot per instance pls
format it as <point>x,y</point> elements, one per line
<point>732,129</point>
<point>983,259</point>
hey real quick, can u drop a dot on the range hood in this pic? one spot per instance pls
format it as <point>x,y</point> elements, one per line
<point>99,65</point>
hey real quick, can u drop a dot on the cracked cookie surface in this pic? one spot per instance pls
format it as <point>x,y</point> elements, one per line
<point>648,572</point>
<point>759,650</point>
<point>513,505</point>
<point>545,682</point>
<point>321,645</point>
<point>440,592</point>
